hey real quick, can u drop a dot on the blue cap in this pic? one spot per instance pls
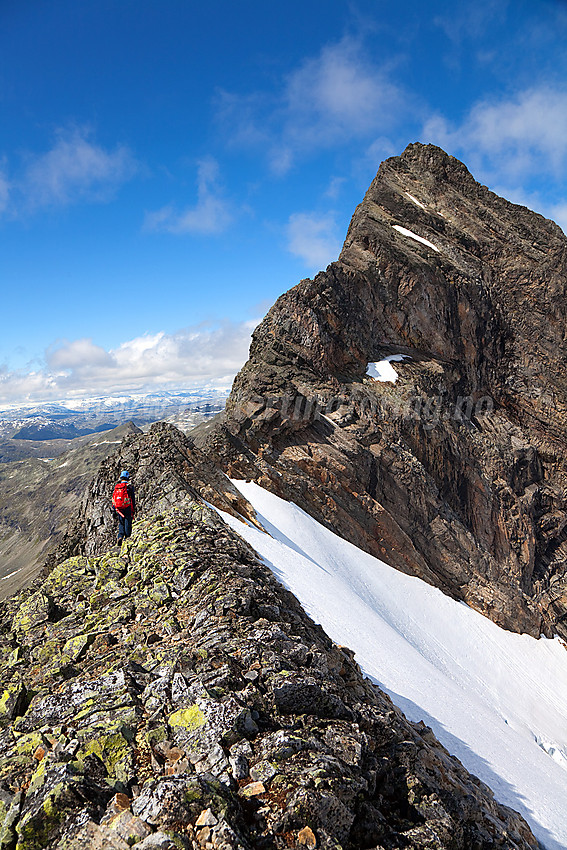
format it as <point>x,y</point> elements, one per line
<point>125,474</point>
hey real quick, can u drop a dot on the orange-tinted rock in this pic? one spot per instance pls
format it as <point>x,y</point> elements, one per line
<point>306,837</point>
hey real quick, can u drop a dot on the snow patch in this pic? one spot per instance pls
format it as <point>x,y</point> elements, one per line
<point>495,699</point>
<point>405,232</point>
<point>418,203</point>
<point>383,369</point>
<point>10,575</point>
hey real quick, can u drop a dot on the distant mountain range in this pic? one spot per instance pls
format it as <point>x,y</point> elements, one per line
<point>48,453</point>
<point>24,429</point>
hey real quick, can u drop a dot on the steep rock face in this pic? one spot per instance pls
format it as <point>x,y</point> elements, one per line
<point>456,472</point>
<point>172,694</point>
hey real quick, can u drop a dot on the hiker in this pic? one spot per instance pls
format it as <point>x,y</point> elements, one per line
<point>124,503</point>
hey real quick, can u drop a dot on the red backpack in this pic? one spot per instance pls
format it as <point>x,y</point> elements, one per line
<point>121,498</point>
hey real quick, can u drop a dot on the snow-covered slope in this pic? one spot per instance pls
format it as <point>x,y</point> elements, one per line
<point>496,700</point>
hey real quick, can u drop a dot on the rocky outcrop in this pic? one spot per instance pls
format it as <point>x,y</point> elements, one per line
<point>172,694</point>
<point>456,472</point>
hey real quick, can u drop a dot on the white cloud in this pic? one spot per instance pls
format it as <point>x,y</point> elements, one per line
<point>194,356</point>
<point>335,186</point>
<point>313,238</point>
<point>338,93</point>
<point>211,214</point>
<point>331,99</point>
<point>4,192</point>
<point>75,169</point>
<point>239,115</point>
<point>73,355</point>
<point>510,138</point>
<point>471,20</point>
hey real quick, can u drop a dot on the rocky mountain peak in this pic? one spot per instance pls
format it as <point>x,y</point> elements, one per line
<point>456,472</point>
<point>489,289</point>
<point>460,295</point>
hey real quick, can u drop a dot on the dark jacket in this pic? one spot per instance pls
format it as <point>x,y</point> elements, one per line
<point>132,498</point>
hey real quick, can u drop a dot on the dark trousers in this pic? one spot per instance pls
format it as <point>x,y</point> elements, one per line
<point>124,523</point>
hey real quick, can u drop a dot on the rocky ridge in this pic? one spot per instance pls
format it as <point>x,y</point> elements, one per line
<point>172,694</point>
<point>456,472</point>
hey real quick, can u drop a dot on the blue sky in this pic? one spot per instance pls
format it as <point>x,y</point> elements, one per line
<point>167,169</point>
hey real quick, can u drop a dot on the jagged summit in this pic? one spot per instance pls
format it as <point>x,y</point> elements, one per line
<point>457,471</point>
<point>388,292</point>
<point>492,294</point>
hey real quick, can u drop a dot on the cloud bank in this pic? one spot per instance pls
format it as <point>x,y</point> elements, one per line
<point>206,354</point>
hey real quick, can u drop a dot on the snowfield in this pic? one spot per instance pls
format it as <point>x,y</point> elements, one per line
<point>496,700</point>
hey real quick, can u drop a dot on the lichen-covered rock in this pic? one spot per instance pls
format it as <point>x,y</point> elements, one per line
<point>208,722</point>
<point>34,611</point>
<point>302,695</point>
<point>81,700</point>
<point>157,841</point>
<point>91,836</point>
<point>127,826</point>
<point>55,792</point>
<point>11,811</point>
<point>170,801</point>
<point>12,701</point>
